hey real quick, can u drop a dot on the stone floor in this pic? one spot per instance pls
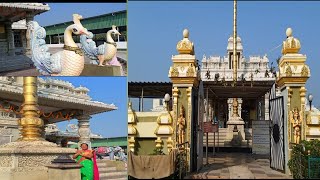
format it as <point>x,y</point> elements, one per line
<point>25,72</point>
<point>237,166</point>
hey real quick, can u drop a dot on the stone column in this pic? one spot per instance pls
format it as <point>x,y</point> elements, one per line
<point>240,106</point>
<point>266,106</point>
<point>229,107</point>
<point>10,39</point>
<point>28,48</point>
<point>84,130</point>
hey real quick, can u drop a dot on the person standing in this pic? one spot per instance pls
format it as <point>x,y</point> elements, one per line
<point>87,159</point>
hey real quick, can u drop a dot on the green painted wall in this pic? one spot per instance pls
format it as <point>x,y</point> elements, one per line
<point>97,22</point>
<point>117,141</point>
<point>145,146</point>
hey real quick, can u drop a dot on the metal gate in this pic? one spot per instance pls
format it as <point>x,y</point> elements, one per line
<point>276,110</point>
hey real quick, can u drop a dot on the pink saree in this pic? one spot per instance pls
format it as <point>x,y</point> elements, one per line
<point>95,167</point>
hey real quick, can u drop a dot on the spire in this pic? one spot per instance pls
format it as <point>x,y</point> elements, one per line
<point>235,41</point>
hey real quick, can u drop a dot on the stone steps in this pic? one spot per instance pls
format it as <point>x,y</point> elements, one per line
<point>109,171</point>
<point>114,175</point>
<point>220,138</point>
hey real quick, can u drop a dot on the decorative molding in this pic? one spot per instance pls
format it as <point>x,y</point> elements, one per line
<point>288,71</point>
<point>5,131</point>
<point>304,71</point>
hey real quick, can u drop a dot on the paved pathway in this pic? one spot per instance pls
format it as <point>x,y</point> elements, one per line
<point>238,166</point>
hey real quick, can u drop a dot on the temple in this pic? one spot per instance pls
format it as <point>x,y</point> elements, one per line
<point>14,43</point>
<point>58,101</point>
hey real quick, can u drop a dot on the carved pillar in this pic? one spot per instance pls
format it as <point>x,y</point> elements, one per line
<point>229,108</point>
<point>10,39</point>
<point>291,79</point>
<point>239,106</point>
<point>266,106</point>
<point>28,38</point>
<point>302,114</point>
<point>84,130</point>
<point>175,95</point>
<point>184,75</point>
<point>23,40</point>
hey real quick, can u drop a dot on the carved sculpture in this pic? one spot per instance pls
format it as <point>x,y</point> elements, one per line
<point>69,62</point>
<point>105,52</point>
<point>181,124</point>
<point>296,120</point>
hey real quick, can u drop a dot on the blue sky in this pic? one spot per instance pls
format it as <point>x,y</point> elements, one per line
<point>156,27</point>
<point>107,90</point>
<point>62,12</point>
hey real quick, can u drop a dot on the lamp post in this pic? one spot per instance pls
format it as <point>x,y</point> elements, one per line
<point>310,98</point>
<point>167,99</point>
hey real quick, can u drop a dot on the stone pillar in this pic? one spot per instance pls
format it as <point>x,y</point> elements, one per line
<point>291,79</point>
<point>84,130</point>
<point>10,39</point>
<point>23,40</point>
<point>239,106</point>
<point>184,75</point>
<point>266,106</point>
<point>229,107</point>
<point>28,38</point>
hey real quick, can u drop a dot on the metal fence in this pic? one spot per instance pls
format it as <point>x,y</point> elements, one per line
<point>309,167</point>
<point>314,167</point>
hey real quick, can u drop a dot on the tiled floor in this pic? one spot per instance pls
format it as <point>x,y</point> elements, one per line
<point>238,166</point>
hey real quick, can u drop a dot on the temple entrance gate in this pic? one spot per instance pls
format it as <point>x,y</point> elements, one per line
<point>277,153</point>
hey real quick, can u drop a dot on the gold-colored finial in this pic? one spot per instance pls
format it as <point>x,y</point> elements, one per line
<point>291,44</point>
<point>185,33</point>
<point>289,32</point>
<point>185,46</point>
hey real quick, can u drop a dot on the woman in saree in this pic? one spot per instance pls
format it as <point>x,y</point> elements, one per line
<point>87,158</point>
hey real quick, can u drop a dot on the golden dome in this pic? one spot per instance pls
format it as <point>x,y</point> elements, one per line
<point>185,46</point>
<point>291,44</point>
